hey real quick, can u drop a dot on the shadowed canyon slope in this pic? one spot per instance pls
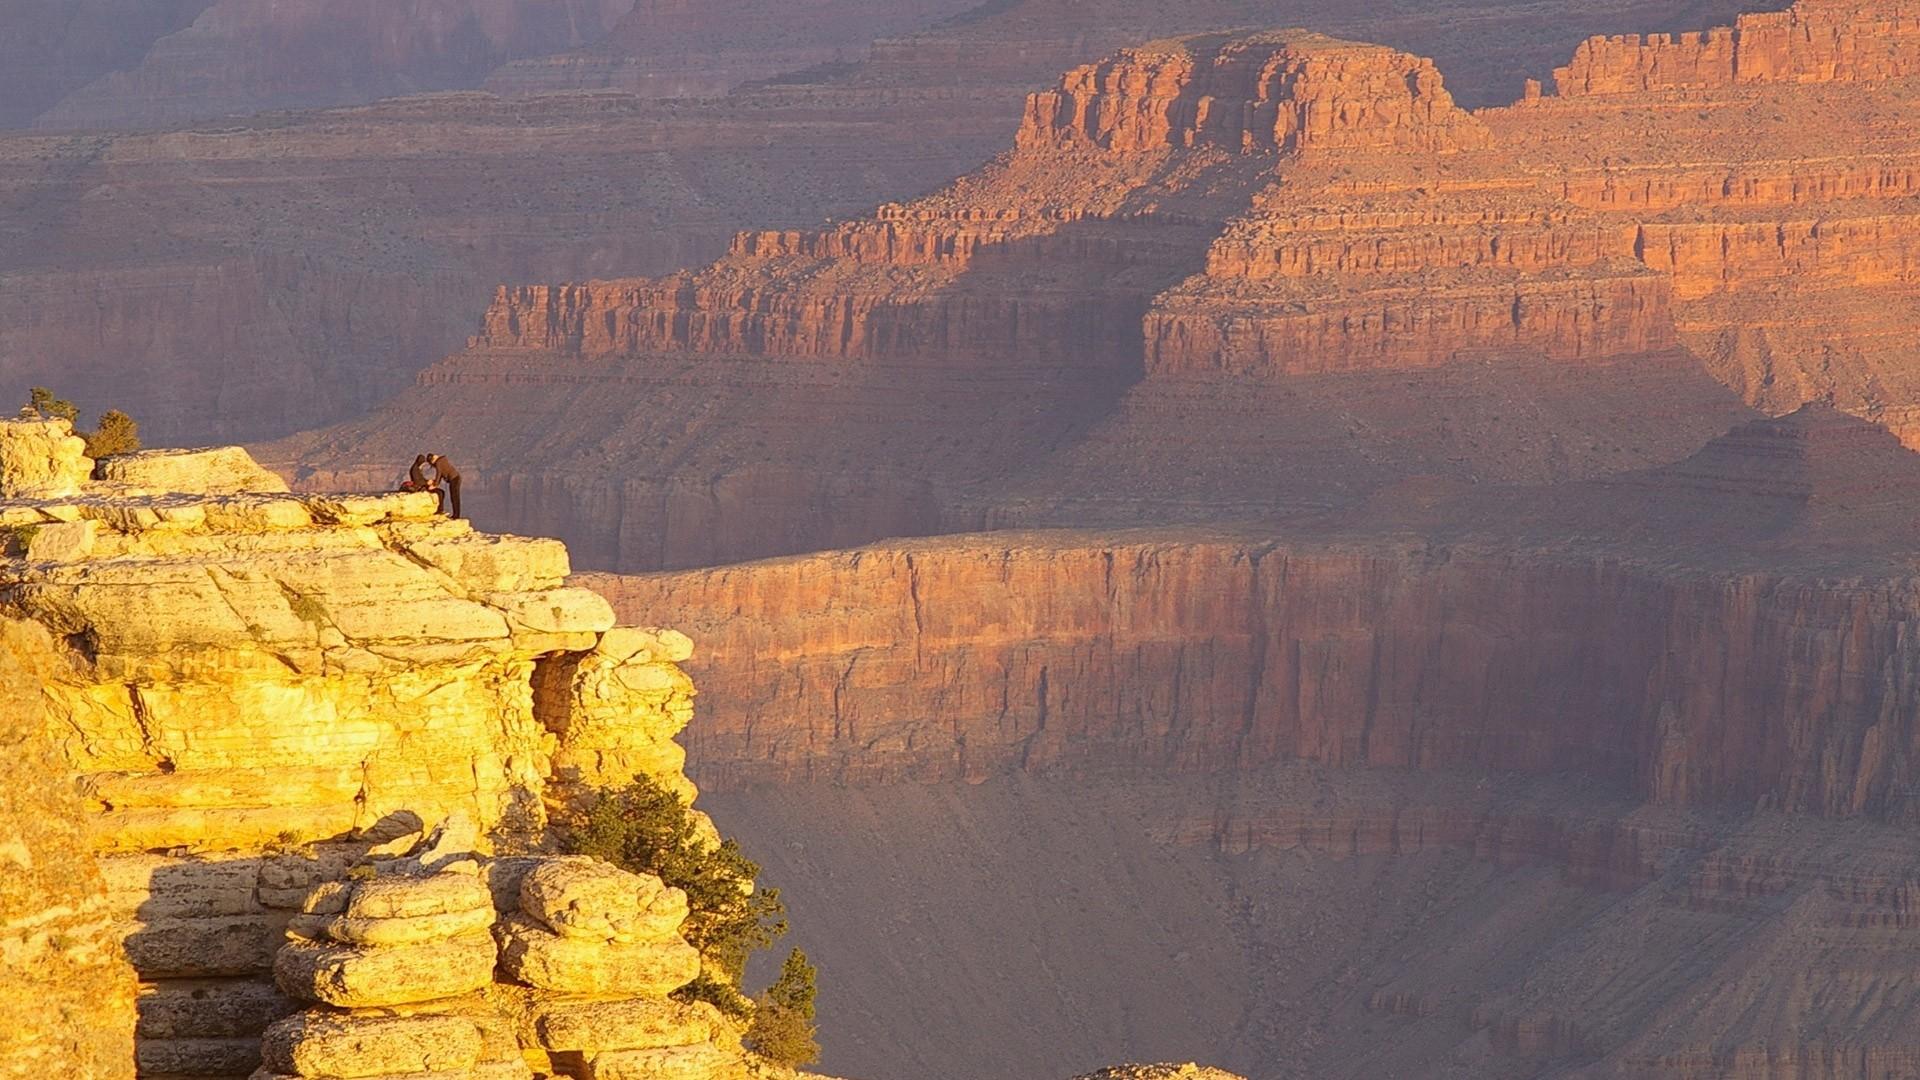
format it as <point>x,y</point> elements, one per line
<point>190,62</point>
<point>242,56</point>
<point>1230,276</point>
<point>1532,782</point>
<point>255,277</point>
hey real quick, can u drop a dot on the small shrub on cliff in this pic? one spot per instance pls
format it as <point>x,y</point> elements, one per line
<point>649,829</point>
<point>117,433</point>
<point>782,1030</point>
<point>55,408</point>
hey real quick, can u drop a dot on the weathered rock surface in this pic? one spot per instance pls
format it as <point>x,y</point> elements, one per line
<point>592,1027</point>
<point>331,1044</point>
<point>151,272</point>
<point>42,458</point>
<point>582,897</point>
<point>1300,93</point>
<point>1813,41</point>
<point>535,954</point>
<point>432,953</point>
<point>69,1008</point>
<point>226,470</point>
<point>255,689</point>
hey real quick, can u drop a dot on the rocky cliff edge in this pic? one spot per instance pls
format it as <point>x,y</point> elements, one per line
<point>266,702</point>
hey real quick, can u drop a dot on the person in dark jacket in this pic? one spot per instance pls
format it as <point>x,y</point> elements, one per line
<point>448,479</point>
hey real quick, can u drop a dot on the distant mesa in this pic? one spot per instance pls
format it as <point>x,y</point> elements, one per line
<point>1291,91</point>
<point>1812,42</point>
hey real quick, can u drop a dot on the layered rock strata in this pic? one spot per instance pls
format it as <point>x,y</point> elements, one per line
<point>673,48</point>
<point>1814,41</point>
<point>1311,94</point>
<point>1183,226</point>
<point>1734,628</point>
<point>256,687</point>
<point>255,277</point>
<point>398,963</point>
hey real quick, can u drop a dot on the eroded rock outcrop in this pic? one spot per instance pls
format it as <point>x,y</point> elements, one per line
<point>257,689</point>
<point>1813,41</point>
<point>1299,93</point>
<point>398,965</point>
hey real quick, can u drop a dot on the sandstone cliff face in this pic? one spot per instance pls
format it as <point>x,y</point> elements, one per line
<point>1814,41</point>
<point>152,271</point>
<point>1119,182</point>
<point>1299,94</point>
<point>256,687</point>
<point>1733,628</point>
<point>71,1009</point>
<point>1314,206</point>
<point>1210,655</point>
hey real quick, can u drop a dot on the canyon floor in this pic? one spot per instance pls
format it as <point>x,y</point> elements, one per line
<point>1296,924</point>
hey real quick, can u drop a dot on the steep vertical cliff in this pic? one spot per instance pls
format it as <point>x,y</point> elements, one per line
<point>1733,628</point>
<point>1813,41</point>
<point>71,1007</point>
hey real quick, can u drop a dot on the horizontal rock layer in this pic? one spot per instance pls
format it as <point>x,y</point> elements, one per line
<point>1295,94</point>
<point>973,657</point>
<point>1814,41</point>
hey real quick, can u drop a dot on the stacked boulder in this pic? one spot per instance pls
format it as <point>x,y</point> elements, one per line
<point>596,951</point>
<point>395,962</point>
<point>41,459</point>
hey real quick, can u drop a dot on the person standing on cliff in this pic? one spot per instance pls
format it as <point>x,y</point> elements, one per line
<point>448,478</point>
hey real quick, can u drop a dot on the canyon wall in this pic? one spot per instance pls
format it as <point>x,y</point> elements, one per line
<point>1300,93</point>
<point>54,47</point>
<point>1341,923</point>
<point>1282,203</point>
<point>437,199</point>
<point>245,56</point>
<point>973,657</point>
<point>174,248</point>
<point>1814,41</point>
